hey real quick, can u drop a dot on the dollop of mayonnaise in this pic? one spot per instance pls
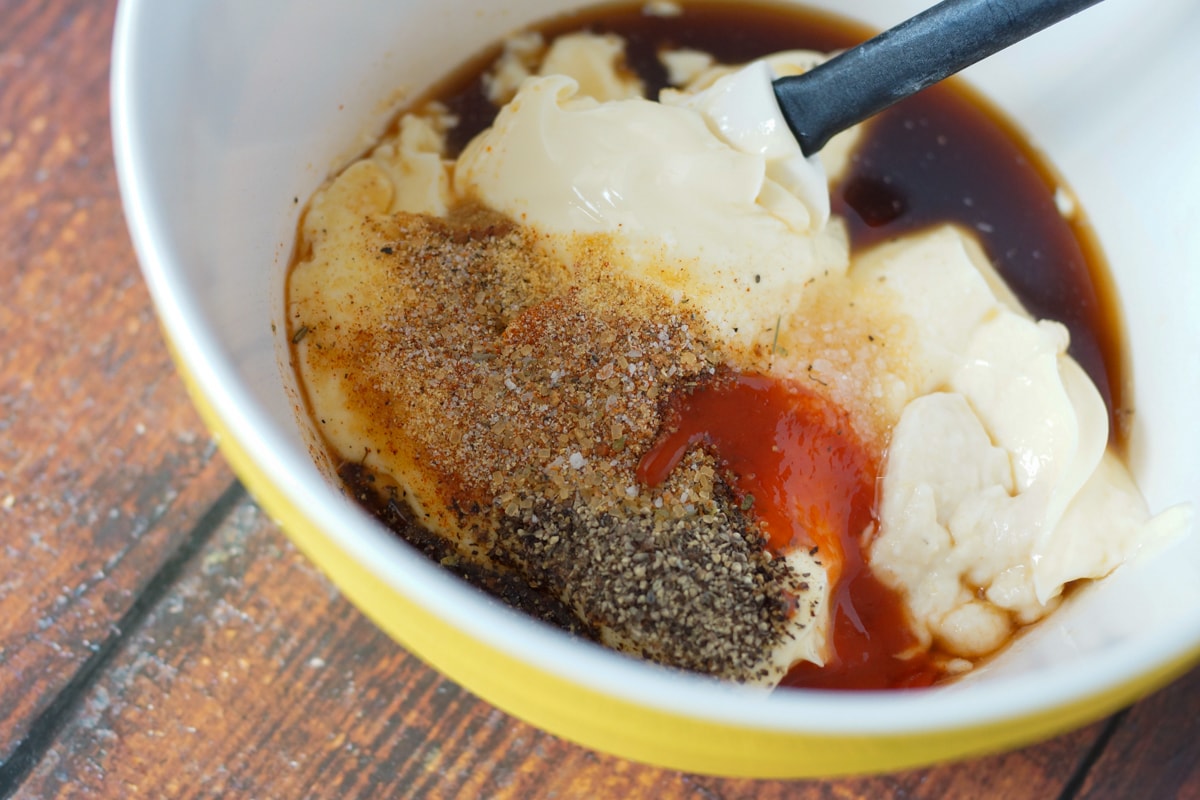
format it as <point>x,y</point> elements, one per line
<point>740,108</point>
<point>707,195</point>
<point>998,487</point>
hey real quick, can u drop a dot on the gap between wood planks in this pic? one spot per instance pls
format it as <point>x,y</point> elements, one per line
<point>1071,790</point>
<point>45,728</point>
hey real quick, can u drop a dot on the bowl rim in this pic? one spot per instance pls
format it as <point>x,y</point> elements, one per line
<point>259,438</point>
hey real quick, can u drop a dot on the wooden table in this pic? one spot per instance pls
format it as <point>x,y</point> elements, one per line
<point>159,637</point>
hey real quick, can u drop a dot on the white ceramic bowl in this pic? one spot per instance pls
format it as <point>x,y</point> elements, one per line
<point>226,116</point>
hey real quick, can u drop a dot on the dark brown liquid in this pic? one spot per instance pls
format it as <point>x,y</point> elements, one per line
<point>943,156</point>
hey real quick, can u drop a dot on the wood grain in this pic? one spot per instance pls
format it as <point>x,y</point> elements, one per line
<point>160,638</point>
<point>103,463</point>
<point>254,678</point>
<point>1155,752</point>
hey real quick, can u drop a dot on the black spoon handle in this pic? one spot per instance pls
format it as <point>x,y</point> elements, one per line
<point>902,61</point>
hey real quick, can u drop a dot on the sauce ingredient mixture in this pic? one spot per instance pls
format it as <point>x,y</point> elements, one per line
<point>647,381</point>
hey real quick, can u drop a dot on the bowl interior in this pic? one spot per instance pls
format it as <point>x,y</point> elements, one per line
<point>228,115</point>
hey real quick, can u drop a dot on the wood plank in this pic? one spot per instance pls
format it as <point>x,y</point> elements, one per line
<point>254,678</point>
<point>103,463</point>
<point>1156,751</point>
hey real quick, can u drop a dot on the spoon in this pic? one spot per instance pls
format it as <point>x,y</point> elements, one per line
<point>917,53</point>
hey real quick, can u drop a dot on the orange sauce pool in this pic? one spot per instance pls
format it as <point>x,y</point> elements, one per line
<point>806,477</point>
